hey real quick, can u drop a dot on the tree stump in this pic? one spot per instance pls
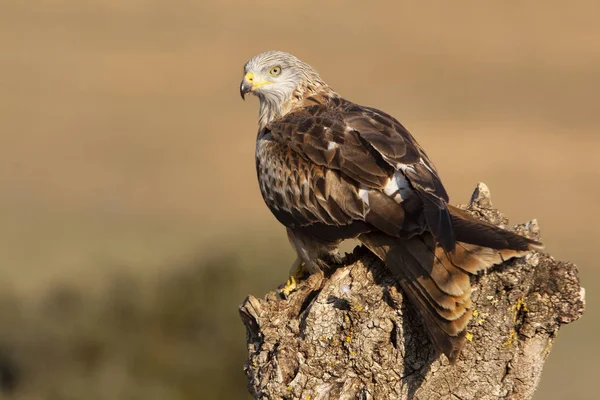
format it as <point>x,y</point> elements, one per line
<point>357,338</point>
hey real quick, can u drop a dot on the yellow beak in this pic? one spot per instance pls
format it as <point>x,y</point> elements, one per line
<point>249,83</point>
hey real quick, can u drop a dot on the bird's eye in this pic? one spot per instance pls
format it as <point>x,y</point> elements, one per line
<point>275,71</point>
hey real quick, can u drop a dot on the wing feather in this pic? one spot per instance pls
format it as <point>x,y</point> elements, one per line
<point>367,147</point>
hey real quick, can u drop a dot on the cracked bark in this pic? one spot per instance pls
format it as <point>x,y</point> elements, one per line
<point>356,337</point>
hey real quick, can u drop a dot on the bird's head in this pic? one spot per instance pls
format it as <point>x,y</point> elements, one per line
<point>276,75</point>
<point>277,78</point>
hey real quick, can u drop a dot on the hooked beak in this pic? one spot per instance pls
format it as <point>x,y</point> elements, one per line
<point>251,83</point>
<point>247,85</point>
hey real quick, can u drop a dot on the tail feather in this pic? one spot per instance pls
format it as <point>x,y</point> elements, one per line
<point>436,281</point>
<point>444,274</point>
<point>440,330</point>
<point>444,315</point>
<point>469,229</point>
<point>446,336</point>
<point>472,258</point>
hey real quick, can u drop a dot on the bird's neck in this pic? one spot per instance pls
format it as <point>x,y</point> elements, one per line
<point>272,108</point>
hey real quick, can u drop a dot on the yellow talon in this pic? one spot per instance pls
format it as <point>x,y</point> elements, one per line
<point>295,273</point>
<point>289,287</point>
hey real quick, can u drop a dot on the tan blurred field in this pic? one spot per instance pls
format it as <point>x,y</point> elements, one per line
<point>127,170</point>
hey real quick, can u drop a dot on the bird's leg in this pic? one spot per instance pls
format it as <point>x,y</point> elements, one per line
<point>310,253</point>
<point>296,272</point>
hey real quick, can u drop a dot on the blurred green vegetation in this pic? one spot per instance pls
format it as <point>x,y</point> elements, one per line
<point>177,338</point>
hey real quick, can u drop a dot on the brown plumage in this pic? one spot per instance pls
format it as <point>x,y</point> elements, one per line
<point>330,170</point>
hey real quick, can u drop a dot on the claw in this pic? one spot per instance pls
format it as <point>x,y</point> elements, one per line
<point>292,283</point>
<point>289,287</point>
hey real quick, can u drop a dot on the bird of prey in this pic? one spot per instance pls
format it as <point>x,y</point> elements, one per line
<point>330,170</point>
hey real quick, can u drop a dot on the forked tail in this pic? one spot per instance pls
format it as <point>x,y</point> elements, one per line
<point>437,282</point>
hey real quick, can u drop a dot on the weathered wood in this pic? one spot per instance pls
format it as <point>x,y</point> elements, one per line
<point>352,336</point>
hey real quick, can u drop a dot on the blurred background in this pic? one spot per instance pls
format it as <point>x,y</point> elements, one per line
<point>131,225</point>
